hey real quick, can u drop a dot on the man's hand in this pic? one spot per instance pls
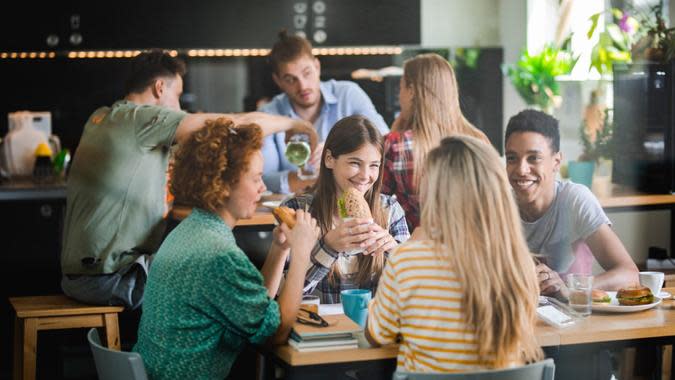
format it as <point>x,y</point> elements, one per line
<point>303,127</point>
<point>550,283</point>
<point>297,185</point>
<point>315,159</point>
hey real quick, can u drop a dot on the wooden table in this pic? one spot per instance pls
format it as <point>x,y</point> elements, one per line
<point>599,331</point>
<point>262,219</point>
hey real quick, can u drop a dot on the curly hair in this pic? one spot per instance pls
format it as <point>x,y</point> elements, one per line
<point>212,160</point>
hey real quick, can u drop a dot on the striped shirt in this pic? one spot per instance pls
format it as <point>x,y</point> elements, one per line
<point>418,300</point>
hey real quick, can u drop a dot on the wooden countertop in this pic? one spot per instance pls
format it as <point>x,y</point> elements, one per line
<point>621,196</point>
<point>599,327</point>
<point>26,188</point>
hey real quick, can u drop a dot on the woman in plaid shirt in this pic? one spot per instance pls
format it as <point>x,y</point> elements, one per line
<point>350,254</point>
<point>429,111</point>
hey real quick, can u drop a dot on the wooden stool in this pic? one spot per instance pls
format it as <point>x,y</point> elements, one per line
<point>55,313</point>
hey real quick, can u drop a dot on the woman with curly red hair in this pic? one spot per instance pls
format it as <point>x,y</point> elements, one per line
<point>204,299</point>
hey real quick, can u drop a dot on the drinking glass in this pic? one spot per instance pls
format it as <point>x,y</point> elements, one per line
<point>580,287</point>
<point>297,153</point>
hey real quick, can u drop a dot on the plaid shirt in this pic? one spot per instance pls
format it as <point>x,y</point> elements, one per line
<point>398,174</point>
<point>323,257</point>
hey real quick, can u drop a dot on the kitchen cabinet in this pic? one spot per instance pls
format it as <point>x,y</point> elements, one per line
<point>177,24</point>
<point>30,247</point>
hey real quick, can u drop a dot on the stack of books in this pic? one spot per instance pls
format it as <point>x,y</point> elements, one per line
<point>340,334</point>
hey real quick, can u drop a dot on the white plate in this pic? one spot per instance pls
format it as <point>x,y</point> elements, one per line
<point>271,204</point>
<point>665,295</point>
<point>614,307</point>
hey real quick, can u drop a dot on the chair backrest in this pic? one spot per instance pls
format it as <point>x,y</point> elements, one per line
<point>543,370</point>
<point>115,365</point>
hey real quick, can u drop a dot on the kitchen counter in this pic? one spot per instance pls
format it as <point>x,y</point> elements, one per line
<point>26,188</point>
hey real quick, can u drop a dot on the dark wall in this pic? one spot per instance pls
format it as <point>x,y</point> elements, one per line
<point>127,24</point>
<point>71,89</point>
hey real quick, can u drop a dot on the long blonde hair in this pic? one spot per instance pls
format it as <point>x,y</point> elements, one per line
<point>470,214</point>
<point>348,135</point>
<point>435,111</point>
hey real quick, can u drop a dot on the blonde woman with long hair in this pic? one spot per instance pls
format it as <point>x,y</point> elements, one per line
<point>430,111</point>
<point>463,297</point>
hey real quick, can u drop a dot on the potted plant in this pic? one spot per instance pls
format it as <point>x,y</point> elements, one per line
<point>658,41</point>
<point>614,43</point>
<point>534,76</point>
<point>595,159</point>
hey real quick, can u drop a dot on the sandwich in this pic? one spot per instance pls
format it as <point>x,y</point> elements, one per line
<point>286,215</point>
<point>600,297</point>
<point>352,205</point>
<point>634,295</point>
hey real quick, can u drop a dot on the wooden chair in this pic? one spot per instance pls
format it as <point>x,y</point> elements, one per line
<point>542,370</point>
<point>55,312</point>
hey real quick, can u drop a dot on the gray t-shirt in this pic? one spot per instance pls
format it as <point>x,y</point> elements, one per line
<point>560,233</point>
<point>116,187</point>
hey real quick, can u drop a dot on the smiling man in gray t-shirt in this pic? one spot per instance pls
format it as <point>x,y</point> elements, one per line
<point>563,222</point>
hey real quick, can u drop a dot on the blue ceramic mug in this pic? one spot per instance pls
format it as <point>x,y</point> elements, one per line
<point>355,304</point>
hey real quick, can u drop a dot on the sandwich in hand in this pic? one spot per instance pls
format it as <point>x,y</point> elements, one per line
<point>352,205</point>
<point>286,215</point>
<point>634,295</point>
<point>600,297</point>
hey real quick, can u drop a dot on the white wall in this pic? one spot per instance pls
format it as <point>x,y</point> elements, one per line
<point>460,23</point>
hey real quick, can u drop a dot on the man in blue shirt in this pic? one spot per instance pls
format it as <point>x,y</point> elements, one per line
<point>297,73</point>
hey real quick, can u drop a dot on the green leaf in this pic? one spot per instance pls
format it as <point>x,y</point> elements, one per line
<point>594,25</point>
<point>342,209</point>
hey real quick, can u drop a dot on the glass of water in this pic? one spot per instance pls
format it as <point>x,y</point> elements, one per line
<point>580,287</point>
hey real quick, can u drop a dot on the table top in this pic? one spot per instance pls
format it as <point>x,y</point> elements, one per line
<point>598,327</point>
<point>262,217</point>
<point>620,197</point>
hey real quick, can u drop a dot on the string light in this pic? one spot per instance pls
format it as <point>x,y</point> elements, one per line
<point>98,54</point>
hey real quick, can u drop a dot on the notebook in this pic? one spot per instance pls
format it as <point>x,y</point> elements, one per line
<point>338,326</point>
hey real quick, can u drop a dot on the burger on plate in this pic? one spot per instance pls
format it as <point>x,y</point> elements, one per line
<point>634,295</point>
<point>600,297</point>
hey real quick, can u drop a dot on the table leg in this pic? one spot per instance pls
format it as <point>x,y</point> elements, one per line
<point>112,331</point>
<point>29,348</point>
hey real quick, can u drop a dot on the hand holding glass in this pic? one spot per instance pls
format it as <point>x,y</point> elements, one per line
<point>297,153</point>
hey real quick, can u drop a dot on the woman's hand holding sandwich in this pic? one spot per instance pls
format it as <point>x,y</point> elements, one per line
<point>349,234</point>
<point>380,243</point>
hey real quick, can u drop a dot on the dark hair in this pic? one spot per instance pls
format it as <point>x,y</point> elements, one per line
<point>150,65</point>
<point>287,49</point>
<point>348,135</point>
<point>537,122</point>
<point>212,161</point>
